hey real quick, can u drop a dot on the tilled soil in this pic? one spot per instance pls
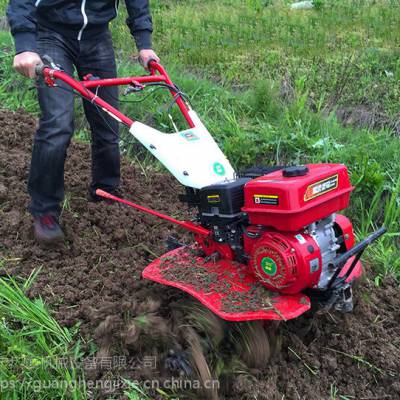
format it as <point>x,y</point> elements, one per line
<point>95,281</point>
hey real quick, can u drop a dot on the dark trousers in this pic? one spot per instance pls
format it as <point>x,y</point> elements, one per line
<point>56,127</point>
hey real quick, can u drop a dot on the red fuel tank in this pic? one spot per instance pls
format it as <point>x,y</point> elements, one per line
<point>292,198</point>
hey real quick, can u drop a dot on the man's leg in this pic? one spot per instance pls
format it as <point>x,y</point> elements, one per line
<point>46,176</point>
<point>97,58</point>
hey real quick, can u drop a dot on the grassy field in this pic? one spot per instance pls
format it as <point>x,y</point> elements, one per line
<point>268,82</point>
<point>35,351</point>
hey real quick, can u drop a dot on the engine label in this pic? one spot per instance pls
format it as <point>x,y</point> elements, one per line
<point>213,198</point>
<point>300,239</point>
<point>218,168</point>
<point>268,199</point>
<point>269,266</point>
<point>321,187</point>
<point>314,265</point>
<point>189,135</point>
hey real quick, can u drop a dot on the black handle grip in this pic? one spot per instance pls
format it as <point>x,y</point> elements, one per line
<point>47,63</point>
<point>39,69</point>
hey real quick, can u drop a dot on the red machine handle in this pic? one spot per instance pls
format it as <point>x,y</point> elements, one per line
<point>184,224</point>
<point>52,72</point>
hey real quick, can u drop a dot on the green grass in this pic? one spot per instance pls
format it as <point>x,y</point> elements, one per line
<point>343,49</point>
<point>14,92</point>
<point>135,392</point>
<point>38,357</point>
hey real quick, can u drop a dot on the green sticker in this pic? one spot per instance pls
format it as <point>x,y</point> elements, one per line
<point>268,265</point>
<point>219,169</point>
<point>189,135</point>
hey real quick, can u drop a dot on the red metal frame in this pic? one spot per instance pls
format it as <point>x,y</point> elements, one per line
<point>83,88</point>
<point>190,226</point>
<point>282,307</point>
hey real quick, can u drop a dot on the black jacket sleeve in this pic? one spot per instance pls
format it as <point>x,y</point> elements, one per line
<point>139,22</point>
<point>21,16</point>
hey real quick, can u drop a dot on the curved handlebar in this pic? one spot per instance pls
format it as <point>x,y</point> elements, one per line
<point>49,63</point>
<point>53,72</point>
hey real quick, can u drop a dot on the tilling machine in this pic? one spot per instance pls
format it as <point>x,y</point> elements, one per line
<point>277,228</point>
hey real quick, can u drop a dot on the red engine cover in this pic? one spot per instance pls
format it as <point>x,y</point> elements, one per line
<point>289,204</point>
<point>286,262</point>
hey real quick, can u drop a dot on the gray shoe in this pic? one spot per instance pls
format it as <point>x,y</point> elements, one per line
<point>47,231</point>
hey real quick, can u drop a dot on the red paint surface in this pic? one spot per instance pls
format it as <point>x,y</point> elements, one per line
<point>293,212</point>
<point>285,307</point>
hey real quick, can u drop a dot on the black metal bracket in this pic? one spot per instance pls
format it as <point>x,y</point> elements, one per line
<point>340,261</point>
<point>337,285</point>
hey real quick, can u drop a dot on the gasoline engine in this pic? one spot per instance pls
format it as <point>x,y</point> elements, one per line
<point>283,223</point>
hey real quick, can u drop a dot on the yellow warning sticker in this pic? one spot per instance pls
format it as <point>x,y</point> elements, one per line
<point>213,198</point>
<point>266,199</point>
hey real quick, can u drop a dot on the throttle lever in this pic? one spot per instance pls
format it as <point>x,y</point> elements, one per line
<point>134,87</point>
<point>49,62</point>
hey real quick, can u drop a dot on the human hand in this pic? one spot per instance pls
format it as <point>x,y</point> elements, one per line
<point>25,63</point>
<point>147,55</point>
